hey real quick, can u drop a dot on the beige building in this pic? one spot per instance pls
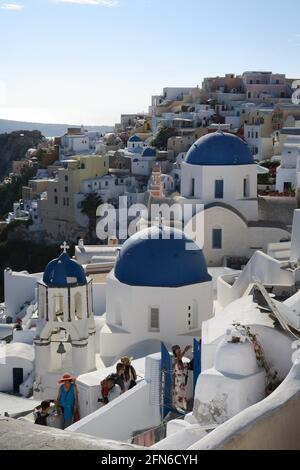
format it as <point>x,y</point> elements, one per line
<point>58,210</point>
<point>179,144</point>
<point>35,187</point>
<point>229,83</point>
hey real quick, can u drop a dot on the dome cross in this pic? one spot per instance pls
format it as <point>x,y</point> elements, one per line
<point>64,247</point>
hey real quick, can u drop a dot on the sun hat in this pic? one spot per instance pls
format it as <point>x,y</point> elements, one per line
<point>66,378</point>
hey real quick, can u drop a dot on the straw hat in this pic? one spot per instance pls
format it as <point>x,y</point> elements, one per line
<point>126,360</point>
<point>66,378</point>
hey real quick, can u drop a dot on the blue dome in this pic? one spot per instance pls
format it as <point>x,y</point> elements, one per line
<point>157,257</point>
<point>63,271</point>
<point>149,152</point>
<point>134,138</point>
<point>219,148</point>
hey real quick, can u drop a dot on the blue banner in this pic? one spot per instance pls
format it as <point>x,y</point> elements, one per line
<point>166,380</point>
<point>196,361</point>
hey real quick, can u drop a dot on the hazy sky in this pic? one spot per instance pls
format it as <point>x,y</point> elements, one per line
<point>88,61</point>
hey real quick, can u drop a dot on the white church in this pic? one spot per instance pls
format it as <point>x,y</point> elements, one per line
<point>219,173</point>
<point>157,291</point>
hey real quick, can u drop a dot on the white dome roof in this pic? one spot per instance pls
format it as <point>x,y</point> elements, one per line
<point>236,358</point>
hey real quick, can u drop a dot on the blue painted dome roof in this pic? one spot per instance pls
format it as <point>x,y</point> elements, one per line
<point>157,257</point>
<point>219,148</point>
<point>64,271</point>
<point>134,138</point>
<point>149,152</point>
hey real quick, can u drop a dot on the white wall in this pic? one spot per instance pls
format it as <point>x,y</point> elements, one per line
<point>272,424</point>
<point>131,305</point>
<point>18,289</point>
<point>24,336</point>
<point>6,371</point>
<point>99,298</point>
<point>237,238</point>
<point>205,177</point>
<point>245,312</point>
<point>137,409</point>
<point>261,268</point>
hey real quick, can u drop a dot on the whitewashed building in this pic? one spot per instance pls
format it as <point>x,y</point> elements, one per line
<point>219,177</point>
<point>157,291</point>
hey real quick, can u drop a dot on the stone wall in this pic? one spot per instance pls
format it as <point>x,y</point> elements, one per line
<point>18,434</point>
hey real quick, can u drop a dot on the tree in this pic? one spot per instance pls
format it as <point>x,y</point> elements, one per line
<point>160,141</point>
<point>89,208</point>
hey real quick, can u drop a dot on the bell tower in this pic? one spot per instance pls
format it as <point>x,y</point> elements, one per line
<point>65,333</point>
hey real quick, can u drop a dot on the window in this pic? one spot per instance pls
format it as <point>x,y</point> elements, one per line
<point>246,191</point>
<point>55,200</point>
<point>287,186</point>
<point>154,319</point>
<point>66,189</point>
<point>66,177</point>
<point>249,94</point>
<point>118,317</point>
<point>217,238</point>
<point>192,190</point>
<point>193,316</point>
<point>256,135</point>
<point>219,189</point>
<point>58,306</point>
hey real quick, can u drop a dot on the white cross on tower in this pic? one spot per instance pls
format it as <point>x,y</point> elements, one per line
<point>64,247</point>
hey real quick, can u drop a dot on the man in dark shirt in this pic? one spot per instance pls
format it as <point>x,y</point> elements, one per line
<point>42,413</point>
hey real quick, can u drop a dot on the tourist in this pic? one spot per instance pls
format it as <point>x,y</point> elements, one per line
<point>41,413</point>
<point>67,400</point>
<point>180,374</point>
<point>130,375</point>
<point>109,390</point>
<point>118,377</point>
<point>114,390</point>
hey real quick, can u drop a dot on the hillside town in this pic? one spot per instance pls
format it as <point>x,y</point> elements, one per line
<point>175,292</point>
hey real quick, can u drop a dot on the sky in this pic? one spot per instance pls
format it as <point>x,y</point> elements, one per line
<point>88,61</point>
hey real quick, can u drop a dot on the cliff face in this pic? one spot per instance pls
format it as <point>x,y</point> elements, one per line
<point>14,146</point>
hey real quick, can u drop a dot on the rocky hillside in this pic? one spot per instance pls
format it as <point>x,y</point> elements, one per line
<point>14,146</point>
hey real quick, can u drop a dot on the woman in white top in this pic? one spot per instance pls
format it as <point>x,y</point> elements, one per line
<point>129,373</point>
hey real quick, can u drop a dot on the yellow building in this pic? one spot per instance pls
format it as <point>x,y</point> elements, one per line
<point>34,187</point>
<point>58,210</point>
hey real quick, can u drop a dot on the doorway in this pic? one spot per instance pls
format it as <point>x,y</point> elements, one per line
<point>18,378</point>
